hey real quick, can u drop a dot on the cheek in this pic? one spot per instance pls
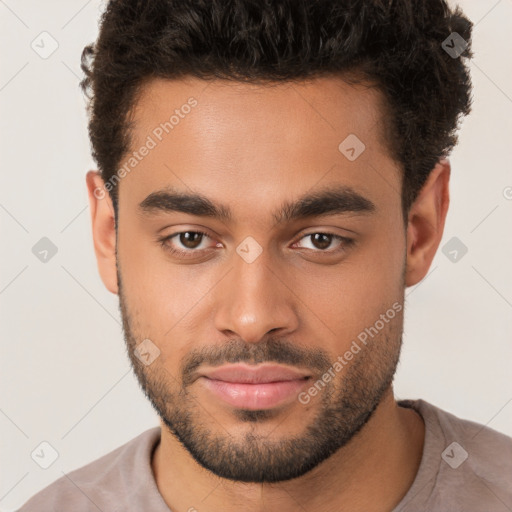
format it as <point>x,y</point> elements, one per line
<point>379,285</point>
<point>352,295</point>
<point>163,298</point>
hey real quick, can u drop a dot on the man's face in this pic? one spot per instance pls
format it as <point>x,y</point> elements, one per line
<point>264,289</point>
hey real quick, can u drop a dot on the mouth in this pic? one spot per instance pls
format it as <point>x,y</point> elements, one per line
<point>254,387</point>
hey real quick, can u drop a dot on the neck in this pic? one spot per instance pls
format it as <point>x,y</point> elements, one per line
<point>371,473</point>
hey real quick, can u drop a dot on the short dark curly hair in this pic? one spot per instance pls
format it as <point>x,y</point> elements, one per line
<point>399,46</point>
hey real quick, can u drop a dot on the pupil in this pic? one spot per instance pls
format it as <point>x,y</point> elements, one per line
<point>185,239</point>
<point>322,244</point>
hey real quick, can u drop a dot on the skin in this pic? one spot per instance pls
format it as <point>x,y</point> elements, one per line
<point>251,148</point>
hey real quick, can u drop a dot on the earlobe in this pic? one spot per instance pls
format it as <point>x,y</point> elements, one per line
<point>426,221</point>
<point>103,230</point>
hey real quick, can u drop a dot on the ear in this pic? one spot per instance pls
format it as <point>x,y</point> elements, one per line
<point>103,229</point>
<point>426,223</point>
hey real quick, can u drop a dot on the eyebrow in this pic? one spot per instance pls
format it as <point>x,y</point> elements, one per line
<point>327,201</point>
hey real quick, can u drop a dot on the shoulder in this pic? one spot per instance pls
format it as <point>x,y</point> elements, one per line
<point>465,465</point>
<point>484,445</point>
<point>99,484</point>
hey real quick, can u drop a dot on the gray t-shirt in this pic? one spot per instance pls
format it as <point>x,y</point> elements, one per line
<point>465,467</point>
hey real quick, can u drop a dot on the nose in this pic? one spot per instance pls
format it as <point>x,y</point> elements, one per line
<point>255,299</point>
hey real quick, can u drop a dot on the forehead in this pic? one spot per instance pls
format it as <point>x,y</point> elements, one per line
<point>238,140</point>
<point>316,106</point>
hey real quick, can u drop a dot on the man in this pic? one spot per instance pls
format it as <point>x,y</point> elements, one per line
<point>273,175</point>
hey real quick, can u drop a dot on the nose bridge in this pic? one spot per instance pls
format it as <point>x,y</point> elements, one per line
<point>253,300</point>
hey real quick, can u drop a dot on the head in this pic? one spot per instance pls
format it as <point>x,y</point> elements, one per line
<point>272,176</point>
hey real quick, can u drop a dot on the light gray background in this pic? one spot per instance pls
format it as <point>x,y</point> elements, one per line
<point>65,377</point>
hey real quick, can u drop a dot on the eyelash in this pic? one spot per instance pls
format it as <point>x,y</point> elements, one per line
<point>346,243</point>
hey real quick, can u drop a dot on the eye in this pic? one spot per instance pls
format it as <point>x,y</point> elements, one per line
<point>190,240</point>
<point>322,241</point>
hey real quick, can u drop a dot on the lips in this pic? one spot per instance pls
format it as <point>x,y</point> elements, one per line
<point>254,387</point>
<point>247,374</point>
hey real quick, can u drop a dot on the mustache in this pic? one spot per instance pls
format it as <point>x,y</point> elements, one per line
<point>272,350</point>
